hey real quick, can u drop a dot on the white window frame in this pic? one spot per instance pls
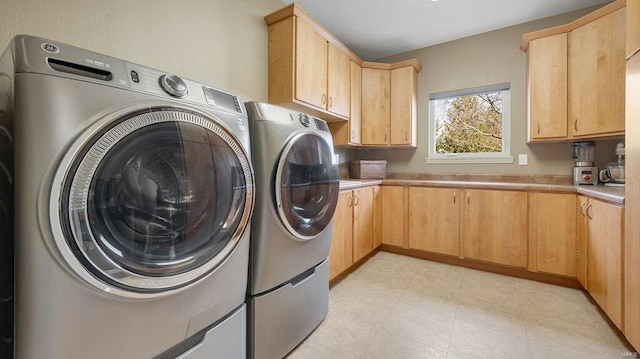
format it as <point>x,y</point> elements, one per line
<point>479,157</point>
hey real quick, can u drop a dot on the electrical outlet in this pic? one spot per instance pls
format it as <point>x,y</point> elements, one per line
<point>522,159</point>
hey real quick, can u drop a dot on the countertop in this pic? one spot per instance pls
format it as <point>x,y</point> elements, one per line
<point>614,195</point>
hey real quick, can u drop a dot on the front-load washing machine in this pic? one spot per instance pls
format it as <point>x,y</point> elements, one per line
<point>127,194</point>
<point>297,185</point>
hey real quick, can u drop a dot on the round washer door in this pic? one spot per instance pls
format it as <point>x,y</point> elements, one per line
<point>155,201</point>
<point>306,185</point>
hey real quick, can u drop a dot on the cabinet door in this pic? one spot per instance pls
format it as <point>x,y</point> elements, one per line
<point>434,220</point>
<point>362,223</point>
<point>404,83</point>
<point>583,236</point>
<point>356,96</point>
<point>596,76</point>
<point>376,113</point>
<point>632,200</point>
<point>393,215</point>
<point>547,87</point>
<point>311,66</point>
<point>605,257</point>
<point>377,217</point>
<point>556,233</point>
<point>494,226</point>
<point>338,82</point>
<point>341,252</point>
<point>633,26</point>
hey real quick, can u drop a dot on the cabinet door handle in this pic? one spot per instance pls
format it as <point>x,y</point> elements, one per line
<point>385,137</point>
<point>375,194</point>
<point>357,200</point>
<point>406,136</point>
<point>324,99</point>
<point>350,202</point>
<point>330,101</point>
<point>588,213</point>
<point>538,127</point>
<point>468,198</point>
<point>353,134</point>
<point>454,198</point>
<point>575,125</point>
<point>581,208</point>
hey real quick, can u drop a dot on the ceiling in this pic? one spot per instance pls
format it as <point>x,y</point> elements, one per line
<point>378,28</point>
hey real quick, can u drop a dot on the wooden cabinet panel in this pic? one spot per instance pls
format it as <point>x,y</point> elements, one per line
<point>494,226</point>
<point>596,76</point>
<point>632,198</point>
<point>348,132</point>
<point>393,215</point>
<point>404,82</point>
<point>356,98</point>
<point>605,257</point>
<point>377,216</point>
<point>341,252</point>
<point>338,82</point>
<point>362,223</point>
<point>547,87</point>
<point>434,220</point>
<point>311,65</point>
<point>582,240</point>
<point>633,26</point>
<point>555,232</point>
<point>376,88</point>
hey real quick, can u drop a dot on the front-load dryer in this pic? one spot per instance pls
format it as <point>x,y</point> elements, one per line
<point>127,194</point>
<point>297,185</point>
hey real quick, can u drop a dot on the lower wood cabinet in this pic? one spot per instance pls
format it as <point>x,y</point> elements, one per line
<point>377,216</point>
<point>604,231</point>
<point>393,214</point>
<point>552,230</point>
<point>341,253</point>
<point>434,220</point>
<point>494,226</point>
<point>353,229</point>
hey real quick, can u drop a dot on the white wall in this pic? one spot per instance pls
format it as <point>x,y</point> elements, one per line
<point>222,43</point>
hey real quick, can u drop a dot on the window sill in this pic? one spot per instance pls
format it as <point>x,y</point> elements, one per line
<point>468,160</point>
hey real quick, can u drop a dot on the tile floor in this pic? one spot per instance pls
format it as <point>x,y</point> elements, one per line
<point>395,306</point>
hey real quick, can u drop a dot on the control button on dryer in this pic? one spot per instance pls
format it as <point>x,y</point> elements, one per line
<point>304,120</point>
<point>173,85</point>
<point>134,76</point>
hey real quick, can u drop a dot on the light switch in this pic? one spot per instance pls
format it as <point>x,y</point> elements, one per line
<point>522,159</point>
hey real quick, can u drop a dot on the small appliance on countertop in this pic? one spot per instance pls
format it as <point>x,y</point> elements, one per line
<point>584,172</point>
<point>613,173</point>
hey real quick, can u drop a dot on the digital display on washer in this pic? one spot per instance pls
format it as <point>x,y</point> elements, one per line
<point>221,99</point>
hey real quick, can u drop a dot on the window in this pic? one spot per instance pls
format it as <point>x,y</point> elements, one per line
<point>470,126</point>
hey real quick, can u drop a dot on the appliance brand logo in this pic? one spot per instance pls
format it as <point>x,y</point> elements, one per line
<point>50,48</point>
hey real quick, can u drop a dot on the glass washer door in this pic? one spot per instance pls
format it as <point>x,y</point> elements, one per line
<point>306,185</point>
<point>158,200</point>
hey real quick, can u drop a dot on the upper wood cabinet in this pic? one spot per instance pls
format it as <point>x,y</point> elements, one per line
<point>348,133</point>
<point>494,226</point>
<point>308,70</point>
<point>376,103</point>
<point>389,103</point>
<point>597,77</point>
<point>404,106</point>
<point>547,88</point>
<point>575,72</point>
